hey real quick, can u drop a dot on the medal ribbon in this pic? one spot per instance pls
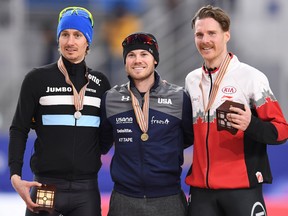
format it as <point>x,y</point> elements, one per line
<point>141,115</point>
<point>216,84</point>
<point>78,97</point>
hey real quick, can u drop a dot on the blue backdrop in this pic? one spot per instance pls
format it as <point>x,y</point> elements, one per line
<point>277,155</point>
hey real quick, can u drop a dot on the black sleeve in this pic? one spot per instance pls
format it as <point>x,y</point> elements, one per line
<point>21,124</point>
<point>106,129</point>
<point>187,121</point>
<point>262,132</point>
<point>107,83</point>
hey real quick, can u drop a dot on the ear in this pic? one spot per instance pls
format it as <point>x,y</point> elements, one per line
<point>227,36</point>
<point>155,62</point>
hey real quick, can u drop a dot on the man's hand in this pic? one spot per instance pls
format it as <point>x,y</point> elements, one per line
<point>239,119</point>
<point>23,189</point>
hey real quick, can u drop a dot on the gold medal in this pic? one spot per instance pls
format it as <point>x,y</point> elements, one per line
<point>144,137</point>
<point>77,115</point>
<point>142,115</point>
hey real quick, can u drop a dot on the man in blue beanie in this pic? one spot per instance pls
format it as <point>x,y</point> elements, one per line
<point>61,102</point>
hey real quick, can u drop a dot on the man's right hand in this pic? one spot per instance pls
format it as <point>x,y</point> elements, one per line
<point>23,189</point>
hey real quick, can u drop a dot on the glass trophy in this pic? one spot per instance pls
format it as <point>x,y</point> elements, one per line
<point>221,114</point>
<point>45,198</point>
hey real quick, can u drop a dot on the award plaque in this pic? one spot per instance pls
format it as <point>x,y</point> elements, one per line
<point>221,114</point>
<point>45,198</point>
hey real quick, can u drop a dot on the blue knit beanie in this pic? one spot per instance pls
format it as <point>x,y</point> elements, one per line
<point>78,22</point>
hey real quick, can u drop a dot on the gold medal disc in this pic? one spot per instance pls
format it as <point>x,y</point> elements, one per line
<point>144,137</point>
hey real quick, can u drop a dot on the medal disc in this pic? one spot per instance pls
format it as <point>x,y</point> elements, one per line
<point>77,115</point>
<point>144,137</point>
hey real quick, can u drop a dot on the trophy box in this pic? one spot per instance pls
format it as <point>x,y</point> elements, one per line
<point>45,198</point>
<point>221,115</point>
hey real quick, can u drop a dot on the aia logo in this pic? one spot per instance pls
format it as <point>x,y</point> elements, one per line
<point>229,90</point>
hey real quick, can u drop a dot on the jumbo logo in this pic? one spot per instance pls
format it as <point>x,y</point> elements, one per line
<point>229,90</point>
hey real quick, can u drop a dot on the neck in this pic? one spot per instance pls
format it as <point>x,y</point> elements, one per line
<point>73,68</point>
<point>67,61</point>
<point>144,85</point>
<point>215,63</point>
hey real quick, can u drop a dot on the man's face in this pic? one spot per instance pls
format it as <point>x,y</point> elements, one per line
<point>73,45</point>
<point>140,64</point>
<point>211,41</point>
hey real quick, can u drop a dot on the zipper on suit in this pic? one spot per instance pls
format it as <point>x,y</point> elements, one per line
<point>207,134</point>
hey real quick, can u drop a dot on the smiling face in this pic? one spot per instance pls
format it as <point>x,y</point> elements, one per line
<point>73,45</point>
<point>140,65</point>
<point>211,41</point>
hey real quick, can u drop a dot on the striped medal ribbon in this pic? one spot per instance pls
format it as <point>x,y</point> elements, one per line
<point>78,97</point>
<point>141,115</point>
<point>216,84</point>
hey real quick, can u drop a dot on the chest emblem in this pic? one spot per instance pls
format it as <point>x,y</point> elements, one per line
<point>229,90</point>
<point>164,101</point>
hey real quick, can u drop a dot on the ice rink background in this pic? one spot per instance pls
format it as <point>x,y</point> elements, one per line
<point>276,194</point>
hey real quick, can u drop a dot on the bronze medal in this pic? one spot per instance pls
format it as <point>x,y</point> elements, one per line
<point>77,115</point>
<point>78,97</point>
<point>144,137</point>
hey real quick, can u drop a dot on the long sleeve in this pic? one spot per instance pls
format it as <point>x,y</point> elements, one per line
<point>20,126</point>
<point>187,124</point>
<point>270,131</point>
<point>106,130</point>
<point>268,124</point>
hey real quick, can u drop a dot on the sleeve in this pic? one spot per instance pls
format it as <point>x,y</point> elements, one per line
<point>187,121</point>
<point>106,129</point>
<point>20,126</point>
<point>107,83</point>
<point>268,124</point>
